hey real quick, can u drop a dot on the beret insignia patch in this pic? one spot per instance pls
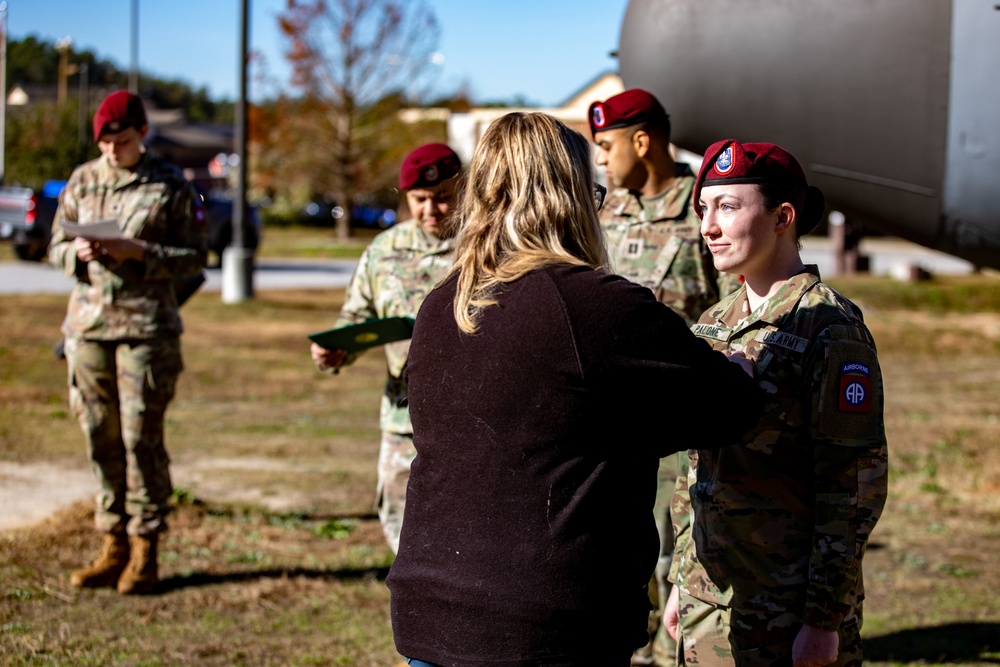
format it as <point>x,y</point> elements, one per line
<point>724,163</point>
<point>431,173</point>
<point>597,115</point>
<point>855,382</point>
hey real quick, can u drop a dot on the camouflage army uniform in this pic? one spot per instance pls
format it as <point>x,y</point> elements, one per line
<point>657,242</point>
<point>781,521</point>
<point>397,270</point>
<point>123,329</point>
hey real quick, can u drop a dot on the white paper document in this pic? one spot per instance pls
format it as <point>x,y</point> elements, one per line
<point>102,229</point>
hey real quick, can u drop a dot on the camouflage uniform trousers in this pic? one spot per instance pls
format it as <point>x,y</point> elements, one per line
<point>703,634</point>
<point>764,639</point>
<point>661,649</point>
<point>119,391</point>
<point>395,457</point>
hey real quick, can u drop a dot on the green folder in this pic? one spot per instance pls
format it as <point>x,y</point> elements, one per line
<point>358,337</point>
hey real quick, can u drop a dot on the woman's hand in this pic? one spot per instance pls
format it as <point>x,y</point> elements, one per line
<point>741,360</point>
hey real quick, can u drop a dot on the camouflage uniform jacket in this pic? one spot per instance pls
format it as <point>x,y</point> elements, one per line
<point>152,202</point>
<point>396,271</point>
<point>781,520</point>
<point>662,248</point>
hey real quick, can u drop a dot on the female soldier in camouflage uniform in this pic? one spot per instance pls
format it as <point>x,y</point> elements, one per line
<point>395,273</point>
<point>123,330</point>
<point>781,520</point>
<point>652,231</point>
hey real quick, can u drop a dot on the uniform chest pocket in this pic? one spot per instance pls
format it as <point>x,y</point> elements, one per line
<point>648,262</point>
<point>146,212</point>
<point>779,372</point>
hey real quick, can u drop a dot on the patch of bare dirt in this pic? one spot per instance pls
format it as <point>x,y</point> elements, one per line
<point>31,492</point>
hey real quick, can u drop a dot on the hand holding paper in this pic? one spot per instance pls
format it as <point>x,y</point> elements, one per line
<point>103,229</point>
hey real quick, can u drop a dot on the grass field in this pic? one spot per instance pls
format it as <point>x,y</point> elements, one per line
<point>313,242</point>
<point>274,556</point>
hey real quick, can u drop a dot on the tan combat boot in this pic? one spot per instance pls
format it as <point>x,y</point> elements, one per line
<point>140,577</point>
<point>109,565</point>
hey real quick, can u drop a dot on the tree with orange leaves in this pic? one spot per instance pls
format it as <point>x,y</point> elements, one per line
<point>355,63</point>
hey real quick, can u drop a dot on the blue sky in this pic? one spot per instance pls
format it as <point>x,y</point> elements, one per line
<point>542,50</point>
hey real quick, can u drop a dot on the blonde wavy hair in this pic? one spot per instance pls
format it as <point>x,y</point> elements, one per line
<point>528,202</point>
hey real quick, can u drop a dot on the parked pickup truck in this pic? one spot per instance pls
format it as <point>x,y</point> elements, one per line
<point>26,220</point>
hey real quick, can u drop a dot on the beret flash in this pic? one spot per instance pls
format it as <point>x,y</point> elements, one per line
<point>730,162</point>
<point>630,107</point>
<point>427,166</point>
<point>118,111</point>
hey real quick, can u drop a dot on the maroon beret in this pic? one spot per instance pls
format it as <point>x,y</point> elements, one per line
<point>118,111</point>
<point>427,166</point>
<point>729,161</point>
<point>631,107</point>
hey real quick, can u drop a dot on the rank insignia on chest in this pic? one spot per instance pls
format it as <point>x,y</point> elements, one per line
<point>855,385</point>
<point>633,248</point>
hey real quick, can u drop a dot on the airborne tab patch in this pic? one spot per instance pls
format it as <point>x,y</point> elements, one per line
<point>855,387</point>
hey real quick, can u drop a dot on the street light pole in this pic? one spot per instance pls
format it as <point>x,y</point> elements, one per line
<point>237,261</point>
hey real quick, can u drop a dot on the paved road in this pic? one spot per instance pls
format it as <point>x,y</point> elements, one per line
<point>887,257</point>
<point>31,278</point>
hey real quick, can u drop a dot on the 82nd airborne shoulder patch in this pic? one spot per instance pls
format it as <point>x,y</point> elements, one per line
<point>855,387</point>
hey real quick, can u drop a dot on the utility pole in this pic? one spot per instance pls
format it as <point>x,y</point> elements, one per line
<point>66,70</point>
<point>133,72</point>
<point>84,111</point>
<point>3,91</point>
<point>237,261</point>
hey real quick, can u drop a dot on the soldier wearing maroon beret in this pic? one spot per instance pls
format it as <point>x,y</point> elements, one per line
<point>653,239</point>
<point>122,330</point>
<point>769,571</point>
<point>397,270</point>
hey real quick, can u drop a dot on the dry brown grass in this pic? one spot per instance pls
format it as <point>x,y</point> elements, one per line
<point>277,561</point>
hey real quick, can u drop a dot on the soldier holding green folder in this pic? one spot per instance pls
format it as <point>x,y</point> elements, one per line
<point>395,273</point>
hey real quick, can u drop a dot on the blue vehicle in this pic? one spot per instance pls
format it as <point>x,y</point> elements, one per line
<point>26,218</point>
<point>374,217</point>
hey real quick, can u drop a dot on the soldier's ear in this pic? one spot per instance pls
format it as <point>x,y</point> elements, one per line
<point>786,217</point>
<point>640,142</point>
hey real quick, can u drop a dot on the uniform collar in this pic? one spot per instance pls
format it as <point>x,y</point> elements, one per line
<point>411,236</point>
<point>672,204</point>
<point>120,176</point>
<point>780,306</point>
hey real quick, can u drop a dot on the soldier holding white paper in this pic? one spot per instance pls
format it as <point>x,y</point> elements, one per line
<point>123,329</point>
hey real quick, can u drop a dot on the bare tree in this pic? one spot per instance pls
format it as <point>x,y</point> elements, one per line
<point>355,63</point>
